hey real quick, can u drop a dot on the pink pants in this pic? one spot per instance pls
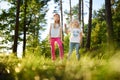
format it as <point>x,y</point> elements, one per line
<point>59,42</point>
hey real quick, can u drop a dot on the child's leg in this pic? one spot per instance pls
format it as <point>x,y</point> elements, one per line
<point>77,45</point>
<point>52,41</point>
<point>71,47</point>
<point>60,47</point>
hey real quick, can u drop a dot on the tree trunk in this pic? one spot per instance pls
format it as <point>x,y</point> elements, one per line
<point>16,28</point>
<point>89,26</point>
<point>61,18</point>
<point>109,22</point>
<point>61,9</point>
<point>79,11</point>
<point>70,11</point>
<point>24,37</point>
<point>82,2</point>
<point>82,14</point>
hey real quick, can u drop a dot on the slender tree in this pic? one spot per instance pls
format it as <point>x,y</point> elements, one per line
<point>109,21</point>
<point>24,30</point>
<point>61,9</point>
<point>16,28</point>
<point>89,26</point>
<point>70,10</point>
<point>79,15</point>
<point>82,14</point>
<point>82,3</point>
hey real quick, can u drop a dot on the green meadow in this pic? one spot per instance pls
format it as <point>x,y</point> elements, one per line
<point>89,67</point>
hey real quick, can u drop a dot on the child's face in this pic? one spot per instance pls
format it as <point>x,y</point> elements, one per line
<point>56,17</point>
<point>75,23</point>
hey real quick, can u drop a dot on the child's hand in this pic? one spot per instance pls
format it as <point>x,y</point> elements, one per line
<point>65,25</point>
<point>66,30</point>
<point>62,42</point>
<point>49,39</point>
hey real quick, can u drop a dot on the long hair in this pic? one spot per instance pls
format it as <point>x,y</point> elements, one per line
<point>58,22</point>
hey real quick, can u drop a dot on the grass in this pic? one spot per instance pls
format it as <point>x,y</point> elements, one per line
<point>41,68</point>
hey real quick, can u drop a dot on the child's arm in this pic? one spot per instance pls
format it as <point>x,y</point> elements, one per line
<point>50,31</point>
<point>81,36</point>
<point>61,33</point>
<point>66,29</point>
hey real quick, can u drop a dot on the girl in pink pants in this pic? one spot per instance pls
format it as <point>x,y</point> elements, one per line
<point>55,35</point>
<point>59,42</point>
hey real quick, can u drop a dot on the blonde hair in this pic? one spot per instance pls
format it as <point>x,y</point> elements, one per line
<point>74,25</point>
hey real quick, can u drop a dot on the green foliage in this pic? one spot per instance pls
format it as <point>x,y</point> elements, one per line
<point>74,13</point>
<point>45,48</point>
<point>99,29</point>
<point>34,67</point>
<point>33,45</point>
<point>35,20</point>
<point>66,43</point>
<point>116,23</point>
<point>98,35</point>
<point>7,66</point>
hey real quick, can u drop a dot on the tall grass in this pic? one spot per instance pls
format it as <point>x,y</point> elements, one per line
<point>33,67</point>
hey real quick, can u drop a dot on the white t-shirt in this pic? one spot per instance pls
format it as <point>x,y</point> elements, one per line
<point>55,32</point>
<point>75,35</point>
